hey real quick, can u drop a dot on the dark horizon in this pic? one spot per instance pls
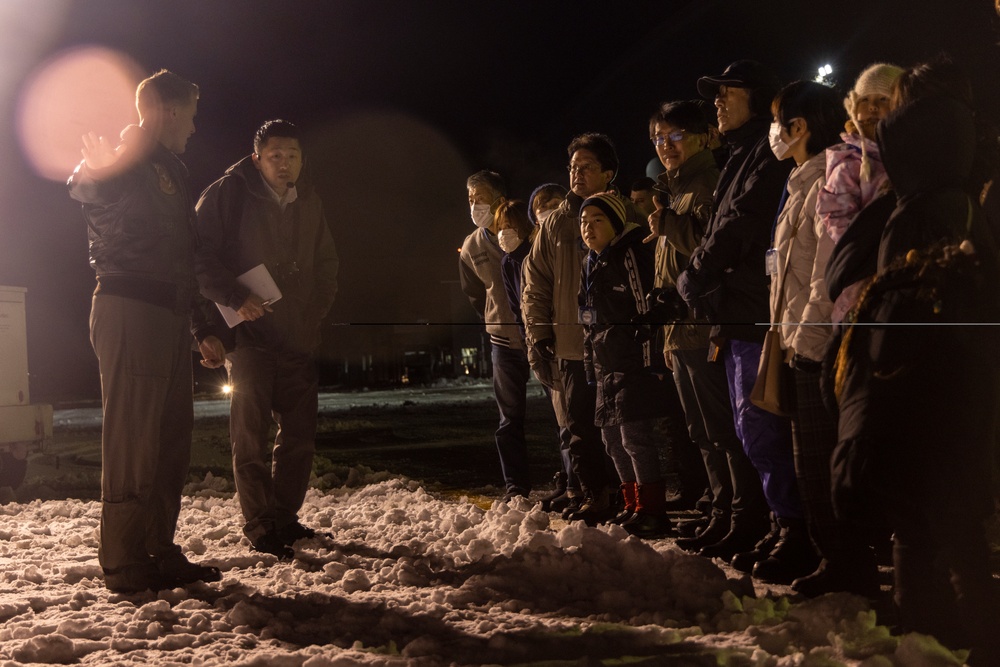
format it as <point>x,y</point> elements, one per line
<point>401,101</point>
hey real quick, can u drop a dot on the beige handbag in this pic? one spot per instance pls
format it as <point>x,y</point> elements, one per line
<point>774,389</point>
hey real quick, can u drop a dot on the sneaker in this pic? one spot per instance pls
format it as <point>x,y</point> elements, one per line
<point>271,543</point>
<point>291,533</point>
<point>183,572</point>
<point>131,579</point>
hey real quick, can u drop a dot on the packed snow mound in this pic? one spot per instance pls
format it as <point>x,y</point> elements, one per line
<point>408,578</point>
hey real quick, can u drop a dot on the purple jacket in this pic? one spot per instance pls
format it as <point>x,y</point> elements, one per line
<point>844,193</point>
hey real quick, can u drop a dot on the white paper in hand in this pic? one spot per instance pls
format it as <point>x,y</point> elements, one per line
<point>259,281</point>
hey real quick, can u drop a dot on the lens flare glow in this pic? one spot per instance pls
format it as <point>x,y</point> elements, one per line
<point>78,91</point>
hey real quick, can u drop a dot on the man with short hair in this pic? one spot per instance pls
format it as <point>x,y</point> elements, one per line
<point>263,212</point>
<point>642,195</point>
<point>550,308</point>
<point>140,220</point>
<point>726,282</point>
<point>482,281</point>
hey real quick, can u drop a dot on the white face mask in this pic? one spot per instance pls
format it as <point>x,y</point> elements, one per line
<point>778,146</point>
<point>509,239</point>
<point>481,215</point>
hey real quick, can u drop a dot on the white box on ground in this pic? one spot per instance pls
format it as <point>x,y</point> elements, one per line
<point>13,348</point>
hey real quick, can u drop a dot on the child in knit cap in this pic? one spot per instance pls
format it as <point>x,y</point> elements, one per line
<point>621,360</point>
<point>854,172</point>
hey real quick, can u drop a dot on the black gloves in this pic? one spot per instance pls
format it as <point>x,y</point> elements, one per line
<point>665,306</point>
<point>546,349</point>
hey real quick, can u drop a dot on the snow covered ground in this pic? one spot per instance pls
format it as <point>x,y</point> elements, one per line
<point>410,578</point>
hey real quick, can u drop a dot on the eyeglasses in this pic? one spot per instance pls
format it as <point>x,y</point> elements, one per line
<point>672,137</point>
<point>583,167</point>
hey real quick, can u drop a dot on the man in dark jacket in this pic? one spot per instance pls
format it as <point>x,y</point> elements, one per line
<point>258,213</point>
<point>141,230</point>
<point>727,282</point>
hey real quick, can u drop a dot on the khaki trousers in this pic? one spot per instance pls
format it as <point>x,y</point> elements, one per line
<point>144,355</point>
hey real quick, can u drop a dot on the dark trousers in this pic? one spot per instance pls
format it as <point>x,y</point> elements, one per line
<point>272,387</point>
<point>563,433</point>
<point>814,436</point>
<point>704,392</point>
<point>510,387</point>
<point>684,455</point>
<point>144,355</point>
<point>586,448</point>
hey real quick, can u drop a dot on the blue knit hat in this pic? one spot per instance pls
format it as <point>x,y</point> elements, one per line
<point>534,193</point>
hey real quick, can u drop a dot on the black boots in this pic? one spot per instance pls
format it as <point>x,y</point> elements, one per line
<point>745,560</point>
<point>742,536</point>
<point>650,520</point>
<point>856,575</point>
<point>712,533</point>
<point>596,508</point>
<point>560,483</point>
<point>793,556</point>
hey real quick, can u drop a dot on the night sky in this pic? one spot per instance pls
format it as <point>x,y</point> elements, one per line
<point>401,100</point>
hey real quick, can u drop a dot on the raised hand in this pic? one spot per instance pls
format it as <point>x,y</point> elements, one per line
<point>98,152</point>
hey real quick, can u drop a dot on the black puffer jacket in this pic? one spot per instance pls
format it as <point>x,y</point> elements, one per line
<point>725,280</point>
<point>613,286</point>
<point>928,148</point>
<point>140,221</point>
<point>240,226</point>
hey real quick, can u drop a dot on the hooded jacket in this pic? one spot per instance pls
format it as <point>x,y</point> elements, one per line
<point>725,279</point>
<point>845,192</point>
<point>140,223</point>
<point>240,225</point>
<point>613,285</point>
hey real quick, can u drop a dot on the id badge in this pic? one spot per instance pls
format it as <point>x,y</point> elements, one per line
<point>588,316</point>
<point>771,262</point>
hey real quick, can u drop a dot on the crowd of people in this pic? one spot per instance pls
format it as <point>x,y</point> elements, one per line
<point>861,233</point>
<point>858,234</point>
